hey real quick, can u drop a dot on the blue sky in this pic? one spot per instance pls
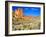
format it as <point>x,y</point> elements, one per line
<point>29,11</point>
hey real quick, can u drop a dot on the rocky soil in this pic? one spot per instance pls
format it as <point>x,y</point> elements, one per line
<point>26,24</point>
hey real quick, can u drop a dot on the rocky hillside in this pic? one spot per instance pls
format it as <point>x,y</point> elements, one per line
<point>25,24</point>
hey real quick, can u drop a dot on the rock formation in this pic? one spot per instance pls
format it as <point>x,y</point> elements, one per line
<point>19,14</point>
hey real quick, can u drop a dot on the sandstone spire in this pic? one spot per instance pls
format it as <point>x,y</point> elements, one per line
<point>19,12</point>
